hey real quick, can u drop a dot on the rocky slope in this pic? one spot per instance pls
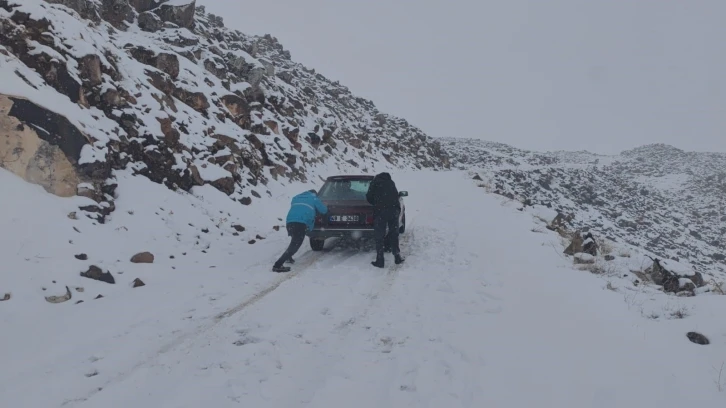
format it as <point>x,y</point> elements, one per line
<point>163,89</point>
<point>656,197</point>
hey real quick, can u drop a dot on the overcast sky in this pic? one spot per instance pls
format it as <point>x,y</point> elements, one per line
<point>600,75</point>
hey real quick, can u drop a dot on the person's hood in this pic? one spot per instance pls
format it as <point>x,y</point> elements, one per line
<point>384,176</point>
<point>309,193</point>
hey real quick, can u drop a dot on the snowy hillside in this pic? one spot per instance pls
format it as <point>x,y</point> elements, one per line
<point>656,198</point>
<point>466,321</point>
<point>161,89</point>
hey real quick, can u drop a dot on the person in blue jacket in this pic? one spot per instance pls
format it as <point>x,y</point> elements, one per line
<point>300,221</point>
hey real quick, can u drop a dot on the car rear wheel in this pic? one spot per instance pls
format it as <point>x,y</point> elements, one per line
<point>402,228</point>
<point>317,244</point>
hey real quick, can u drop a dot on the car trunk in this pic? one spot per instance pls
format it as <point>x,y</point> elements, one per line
<point>346,214</point>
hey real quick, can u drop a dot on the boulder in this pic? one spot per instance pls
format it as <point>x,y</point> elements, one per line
<point>117,12</point>
<point>168,63</point>
<point>575,245</point>
<point>143,257</point>
<point>163,61</point>
<point>44,158</point>
<point>236,106</point>
<point>171,135</point>
<point>589,246</point>
<point>87,9</point>
<point>137,283</point>
<point>697,338</point>
<point>96,273</point>
<point>674,277</point>
<point>90,67</point>
<point>150,22</point>
<point>225,184</point>
<point>180,14</point>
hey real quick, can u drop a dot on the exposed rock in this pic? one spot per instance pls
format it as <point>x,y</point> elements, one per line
<point>165,62</point>
<point>150,22</point>
<point>224,184</point>
<point>672,281</point>
<point>146,5</point>
<point>137,283</point>
<point>576,245</point>
<point>180,15</point>
<point>170,133</point>
<point>609,258</point>
<point>39,146</point>
<point>87,9</point>
<point>697,338</point>
<point>589,246</point>
<point>238,228</point>
<point>96,273</point>
<point>82,257</point>
<point>168,63</point>
<point>90,67</point>
<point>117,12</point>
<point>60,299</point>
<point>196,100</point>
<point>560,221</point>
<point>5,297</point>
<point>143,257</point>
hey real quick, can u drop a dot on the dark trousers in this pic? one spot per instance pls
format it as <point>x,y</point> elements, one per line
<point>386,218</point>
<point>296,232</point>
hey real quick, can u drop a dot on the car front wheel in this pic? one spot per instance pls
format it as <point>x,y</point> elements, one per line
<point>317,244</point>
<point>402,228</point>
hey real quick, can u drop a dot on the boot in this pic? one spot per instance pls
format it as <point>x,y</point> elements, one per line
<point>378,263</point>
<point>276,268</point>
<point>398,259</point>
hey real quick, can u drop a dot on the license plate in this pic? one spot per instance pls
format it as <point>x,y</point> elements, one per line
<point>344,218</point>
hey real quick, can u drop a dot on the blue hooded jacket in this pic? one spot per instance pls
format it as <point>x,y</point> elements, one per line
<point>304,207</point>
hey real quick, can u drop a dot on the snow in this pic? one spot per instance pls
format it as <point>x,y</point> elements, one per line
<point>678,268</point>
<point>482,313</point>
<point>584,258</point>
<point>179,2</point>
<point>211,172</point>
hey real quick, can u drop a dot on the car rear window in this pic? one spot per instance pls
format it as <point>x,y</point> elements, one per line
<point>344,190</point>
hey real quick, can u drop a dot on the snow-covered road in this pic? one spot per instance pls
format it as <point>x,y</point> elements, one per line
<point>483,313</point>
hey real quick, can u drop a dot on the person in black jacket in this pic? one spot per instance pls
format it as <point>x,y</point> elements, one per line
<point>383,195</point>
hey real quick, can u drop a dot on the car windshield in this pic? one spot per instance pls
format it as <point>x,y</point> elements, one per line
<point>349,190</point>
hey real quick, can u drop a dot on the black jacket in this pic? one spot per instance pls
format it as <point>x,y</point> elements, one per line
<point>382,193</point>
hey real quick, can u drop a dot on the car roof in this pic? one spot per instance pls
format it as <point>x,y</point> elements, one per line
<point>351,177</point>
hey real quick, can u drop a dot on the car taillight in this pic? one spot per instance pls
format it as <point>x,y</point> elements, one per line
<point>369,219</point>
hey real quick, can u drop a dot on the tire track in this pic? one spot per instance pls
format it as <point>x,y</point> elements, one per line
<point>319,362</point>
<point>201,329</point>
<point>208,330</point>
<point>382,290</point>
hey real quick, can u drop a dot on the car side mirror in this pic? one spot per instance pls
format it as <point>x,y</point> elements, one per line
<point>403,193</point>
